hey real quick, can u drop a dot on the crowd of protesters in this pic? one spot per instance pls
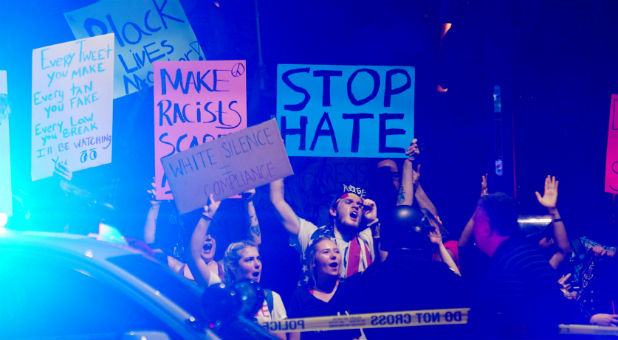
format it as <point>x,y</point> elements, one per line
<point>386,253</point>
<point>382,250</point>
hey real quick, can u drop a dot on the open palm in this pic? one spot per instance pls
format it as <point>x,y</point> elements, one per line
<point>550,194</point>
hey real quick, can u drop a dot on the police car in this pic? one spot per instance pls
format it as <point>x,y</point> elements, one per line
<point>65,286</point>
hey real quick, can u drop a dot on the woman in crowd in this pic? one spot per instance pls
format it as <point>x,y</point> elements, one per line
<point>203,245</point>
<point>242,261</point>
<point>324,293</point>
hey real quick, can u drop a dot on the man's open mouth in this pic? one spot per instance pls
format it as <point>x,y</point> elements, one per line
<point>354,214</point>
<point>255,274</point>
<point>207,246</point>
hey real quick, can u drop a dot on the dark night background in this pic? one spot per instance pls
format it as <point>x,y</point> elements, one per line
<point>556,63</point>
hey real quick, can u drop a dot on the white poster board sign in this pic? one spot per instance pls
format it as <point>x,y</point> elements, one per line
<point>72,103</point>
<point>6,197</point>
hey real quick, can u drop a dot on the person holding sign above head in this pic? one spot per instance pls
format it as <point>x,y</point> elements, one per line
<point>202,250</point>
<point>203,245</point>
<point>352,218</point>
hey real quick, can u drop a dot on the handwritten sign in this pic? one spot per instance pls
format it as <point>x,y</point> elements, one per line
<point>72,103</point>
<point>345,111</point>
<point>227,166</point>
<point>6,198</point>
<point>195,102</point>
<point>611,161</point>
<point>145,30</point>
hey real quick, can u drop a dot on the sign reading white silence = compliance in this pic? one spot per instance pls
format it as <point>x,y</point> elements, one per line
<point>227,166</point>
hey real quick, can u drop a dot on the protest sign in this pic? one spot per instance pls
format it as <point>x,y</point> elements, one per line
<point>145,30</point>
<point>72,103</point>
<point>227,166</point>
<point>195,102</point>
<point>6,197</point>
<point>611,160</point>
<point>345,111</point>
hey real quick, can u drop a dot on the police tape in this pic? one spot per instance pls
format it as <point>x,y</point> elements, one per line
<point>427,317</point>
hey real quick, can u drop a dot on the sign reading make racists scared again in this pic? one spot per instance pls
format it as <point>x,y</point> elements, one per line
<point>72,103</point>
<point>227,166</point>
<point>145,30</point>
<point>195,102</point>
<point>346,111</point>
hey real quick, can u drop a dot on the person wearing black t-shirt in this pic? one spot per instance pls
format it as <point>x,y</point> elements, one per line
<point>518,296</point>
<point>324,293</point>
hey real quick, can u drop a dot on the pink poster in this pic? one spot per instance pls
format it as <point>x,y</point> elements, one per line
<point>195,102</point>
<point>611,163</point>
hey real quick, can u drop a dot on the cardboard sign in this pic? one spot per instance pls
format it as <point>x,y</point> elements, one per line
<point>145,30</point>
<point>195,102</point>
<point>611,160</point>
<point>72,103</point>
<point>227,166</point>
<point>6,197</point>
<point>346,111</point>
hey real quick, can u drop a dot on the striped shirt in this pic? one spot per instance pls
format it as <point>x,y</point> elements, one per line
<point>519,296</point>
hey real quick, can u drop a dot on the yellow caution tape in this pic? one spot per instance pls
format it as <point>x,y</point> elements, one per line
<point>426,317</point>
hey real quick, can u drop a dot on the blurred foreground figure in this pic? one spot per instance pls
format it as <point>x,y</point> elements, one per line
<point>518,297</point>
<point>408,279</point>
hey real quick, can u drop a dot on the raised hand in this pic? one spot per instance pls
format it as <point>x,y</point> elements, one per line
<point>370,211</point>
<point>484,191</point>
<point>603,319</point>
<point>435,236</point>
<point>563,281</point>
<point>413,149</point>
<point>550,194</point>
<point>416,175</point>
<point>151,193</point>
<point>211,207</point>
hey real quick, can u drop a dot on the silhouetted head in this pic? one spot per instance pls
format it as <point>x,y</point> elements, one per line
<point>407,229</point>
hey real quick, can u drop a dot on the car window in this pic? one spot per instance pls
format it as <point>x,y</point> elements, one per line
<point>41,299</point>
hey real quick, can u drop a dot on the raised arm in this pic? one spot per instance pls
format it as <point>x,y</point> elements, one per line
<point>254,225</point>
<point>436,238</point>
<point>370,214</point>
<point>286,215</point>
<point>466,234</point>
<point>150,226</point>
<point>424,201</point>
<point>549,200</point>
<point>198,267</point>
<point>409,175</point>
